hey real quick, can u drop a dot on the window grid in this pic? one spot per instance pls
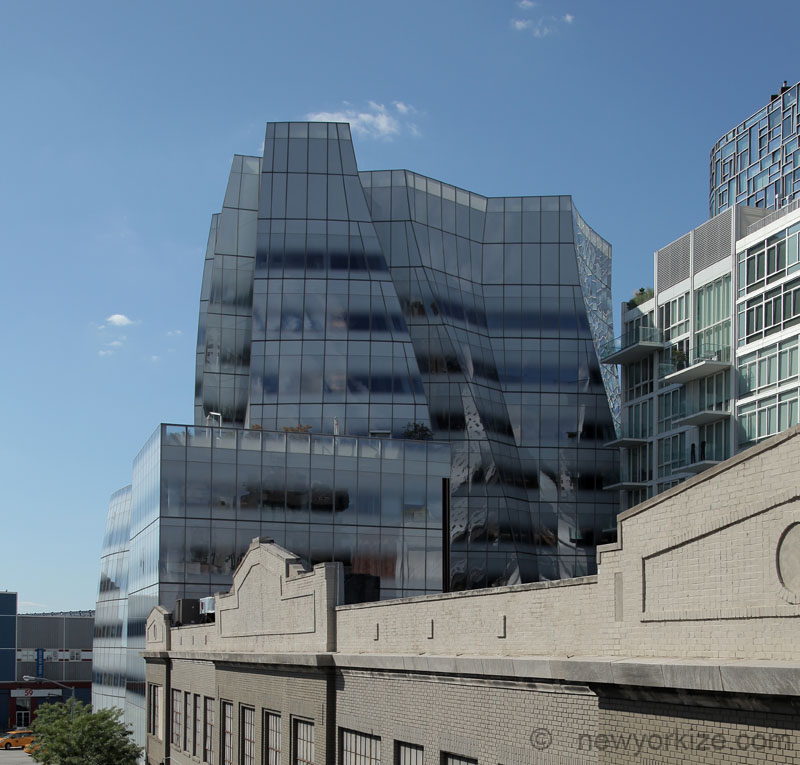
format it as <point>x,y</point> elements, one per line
<point>360,748</point>
<point>247,736</point>
<point>409,754</point>
<point>272,727</point>
<point>197,730</point>
<point>227,733</point>
<point>208,739</point>
<point>303,743</point>
<point>176,718</point>
<point>154,712</point>
<point>455,759</point>
<point>187,720</point>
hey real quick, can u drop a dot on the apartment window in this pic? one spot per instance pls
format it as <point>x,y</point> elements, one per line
<point>187,721</point>
<point>671,454</point>
<point>197,730</point>
<point>360,748</point>
<point>638,420</point>
<point>247,735</point>
<point>208,737</point>
<point>408,754</point>
<point>456,759</point>
<point>227,733</point>
<point>303,742</point>
<point>638,378</point>
<point>673,317</point>
<point>714,440</point>
<point>712,337</point>
<point>714,392</point>
<point>272,743</point>
<point>154,710</point>
<point>671,406</point>
<point>176,718</point>
<point>637,464</point>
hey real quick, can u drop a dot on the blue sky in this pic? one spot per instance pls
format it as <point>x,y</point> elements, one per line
<point>120,121</point>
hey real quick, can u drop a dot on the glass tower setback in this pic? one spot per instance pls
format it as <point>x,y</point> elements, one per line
<point>757,163</point>
<point>109,663</point>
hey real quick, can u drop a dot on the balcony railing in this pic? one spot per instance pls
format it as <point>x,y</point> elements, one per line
<point>629,437</point>
<point>701,361</point>
<point>634,344</point>
<point>702,415</point>
<point>630,479</point>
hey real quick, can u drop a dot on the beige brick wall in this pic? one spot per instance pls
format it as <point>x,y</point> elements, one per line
<point>492,722</point>
<point>672,734</point>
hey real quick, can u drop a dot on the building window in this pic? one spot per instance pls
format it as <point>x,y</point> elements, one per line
<point>176,718</point>
<point>303,742</point>
<point>227,733</point>
<point>408,754</point>
<point>154,710</point>
<point>247,736</point>
<point>208,737</point>
<point>360,749</point>
<point>272,731</point>
<point>197,730</point>
<point>187,721</point>
<point>456,759</point>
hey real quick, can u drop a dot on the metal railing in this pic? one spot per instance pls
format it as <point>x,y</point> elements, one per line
<point>632,432</point>
<point>630,338</point>
<point>704,352</point>
<point>777,215</point>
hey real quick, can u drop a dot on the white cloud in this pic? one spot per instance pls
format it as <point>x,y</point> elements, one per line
<point>155,358</point>
<point>174,332</point>
<point>543,28</point>
<point>105,353</point>
<point>116,343</point>
<point>119,320</point>
<point>376,121</point>
<point>526,4</point>
<point>32,604</point>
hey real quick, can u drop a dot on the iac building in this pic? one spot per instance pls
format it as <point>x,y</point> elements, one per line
<point>392,373</point>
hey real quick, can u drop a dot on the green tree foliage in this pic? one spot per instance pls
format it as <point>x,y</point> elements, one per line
<point>80,737</point>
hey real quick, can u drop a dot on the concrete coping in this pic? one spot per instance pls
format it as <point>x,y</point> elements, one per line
<point>483,592</point>
<point>770,678</point>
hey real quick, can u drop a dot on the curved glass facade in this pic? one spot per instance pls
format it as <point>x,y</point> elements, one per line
<point>757,163</point>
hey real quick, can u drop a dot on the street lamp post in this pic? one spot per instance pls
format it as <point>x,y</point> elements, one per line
<point>31,679</point>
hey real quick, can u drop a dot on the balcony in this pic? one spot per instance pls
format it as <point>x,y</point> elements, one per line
<point>629,438</point>
<point>629,480</point>
<point>632,346</point>
<point>702,362</point>
<point>694,465</point>
<point>701,416</point>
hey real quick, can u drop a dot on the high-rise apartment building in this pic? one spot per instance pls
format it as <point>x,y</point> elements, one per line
<point>757,163</point>
<point>393,373</point>
<point>709,355</point>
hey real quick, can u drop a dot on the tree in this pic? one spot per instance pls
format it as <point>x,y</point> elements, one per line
<point>67,736</point>
<point>418,431</point>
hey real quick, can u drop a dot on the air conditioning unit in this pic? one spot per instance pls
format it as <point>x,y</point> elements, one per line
<point>187,611</point>
<point>207,609</point>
